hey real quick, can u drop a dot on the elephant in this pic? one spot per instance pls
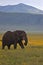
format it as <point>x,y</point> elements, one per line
<point>14,38</point>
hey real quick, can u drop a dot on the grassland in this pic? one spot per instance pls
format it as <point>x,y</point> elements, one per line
<point>32,54</point>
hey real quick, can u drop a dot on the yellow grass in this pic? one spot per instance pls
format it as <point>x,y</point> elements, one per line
<point>1,35</point>
<point>33,39</point>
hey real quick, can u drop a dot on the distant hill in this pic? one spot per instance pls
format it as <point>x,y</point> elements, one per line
<point>21,16</point>
<point>22,21</point>
<point>20,8</point>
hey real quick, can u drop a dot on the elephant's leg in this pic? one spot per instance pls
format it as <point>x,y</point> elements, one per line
<point>21,45</point>
<point>26,41</point>
<point>8,46</point>
<point>15,45</point>
<point>3,45</point>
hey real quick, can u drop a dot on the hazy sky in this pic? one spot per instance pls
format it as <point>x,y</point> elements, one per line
<point>35,3</point>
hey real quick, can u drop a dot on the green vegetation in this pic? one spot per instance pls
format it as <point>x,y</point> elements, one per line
<point>27,56</point>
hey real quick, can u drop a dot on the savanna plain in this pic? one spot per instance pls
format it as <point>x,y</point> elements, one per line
<point>32,54</point>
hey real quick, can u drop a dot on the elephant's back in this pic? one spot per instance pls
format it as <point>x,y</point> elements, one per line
<point>7,36</point>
